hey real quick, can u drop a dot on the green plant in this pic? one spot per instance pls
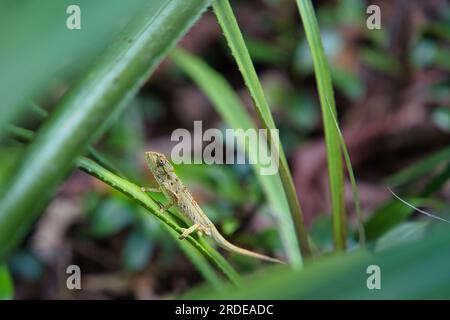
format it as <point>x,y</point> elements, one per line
<point>408,248</point>
<point>102,94</point>
<point>197,250</point>
<point>229,106</point>
<point>344,276</point>
<point>134,192</point>
<point>332,140</point>
<point>230,27</point>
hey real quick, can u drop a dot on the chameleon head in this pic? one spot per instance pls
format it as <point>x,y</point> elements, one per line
<point>158,162</point>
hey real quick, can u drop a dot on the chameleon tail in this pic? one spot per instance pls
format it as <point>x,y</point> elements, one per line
<point>221,241</point>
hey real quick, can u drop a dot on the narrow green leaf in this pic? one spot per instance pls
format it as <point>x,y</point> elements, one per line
<point>332,141</point>
<point>134,192</point>
<point>419,169</point>
<point>231,109</point>
<point>355,191</point>
<point>230,27</point>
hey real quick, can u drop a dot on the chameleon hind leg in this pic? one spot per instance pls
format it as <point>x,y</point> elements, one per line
<point>195,227</point>
<point>188,231</point>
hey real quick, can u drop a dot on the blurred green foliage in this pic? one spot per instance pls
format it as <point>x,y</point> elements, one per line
<point>6,284</point>
<point>88,108</point>
<point>40,60</point>
<point>418,270</point>
<point>59,55</point>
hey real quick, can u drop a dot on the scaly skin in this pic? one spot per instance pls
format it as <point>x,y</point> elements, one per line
<point>178,195</point>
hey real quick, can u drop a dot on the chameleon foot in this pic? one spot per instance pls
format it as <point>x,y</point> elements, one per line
<point>188,231</point>
<point>166,207</point>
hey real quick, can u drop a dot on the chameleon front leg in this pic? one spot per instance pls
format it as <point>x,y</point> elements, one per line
<point>166,207</point>
<point>173,199</point>
<point>188,231</point>
<point>163,208</point>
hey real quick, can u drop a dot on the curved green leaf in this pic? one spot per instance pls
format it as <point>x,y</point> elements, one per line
<point>134,192</point>
<point>88,108</point>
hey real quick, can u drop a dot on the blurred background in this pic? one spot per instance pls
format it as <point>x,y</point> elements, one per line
<point>392,95</point>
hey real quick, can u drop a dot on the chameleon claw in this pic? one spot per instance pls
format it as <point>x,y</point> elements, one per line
<point>165,207</point>
<point>183,235</point>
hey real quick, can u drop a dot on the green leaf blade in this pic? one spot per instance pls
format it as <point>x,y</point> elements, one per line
<point>231,109</point>
<point>134,192</point>
<point>230,27</point>
<point>332,142</point>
